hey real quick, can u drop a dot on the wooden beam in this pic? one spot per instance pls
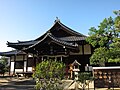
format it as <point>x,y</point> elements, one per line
<point>27,63</point>
<point>10,67</point>
<point>14,64</point>
<point>23,62</point>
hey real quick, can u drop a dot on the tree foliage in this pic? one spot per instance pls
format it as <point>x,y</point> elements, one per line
<point>114,52</point>
<point>100,37</point>
<point>3,65</point>
<point>117,20</point>
<point>48,75</point>
<point>105,39</point>
<point>100,56</point>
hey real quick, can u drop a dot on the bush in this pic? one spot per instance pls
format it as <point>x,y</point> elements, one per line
<point>2,68</point>
<point>48,75</point>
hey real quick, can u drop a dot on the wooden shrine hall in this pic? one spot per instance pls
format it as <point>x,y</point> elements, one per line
<point>59,43</point>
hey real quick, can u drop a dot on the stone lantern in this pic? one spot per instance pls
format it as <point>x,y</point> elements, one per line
<point>76,69</point>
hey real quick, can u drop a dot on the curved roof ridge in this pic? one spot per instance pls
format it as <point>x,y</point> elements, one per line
<point>63,42</point>
<point>37,42</point>
<point>22,43</point>
<point>25,41</point>
<point>71,30</point>
<point>64,26</point>
<point>56,21</point>
<point>53,38</point>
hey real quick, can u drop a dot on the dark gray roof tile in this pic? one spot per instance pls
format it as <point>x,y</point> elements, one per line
<point>13,52</point>
<point>22,43</point>
<point>54,39</point>
<point>72,38</point>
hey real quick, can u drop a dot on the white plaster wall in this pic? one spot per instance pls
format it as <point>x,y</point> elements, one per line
<point>12,67</point>
<point>25,66</point>
<point>18,70</point>
<point>29,69</point>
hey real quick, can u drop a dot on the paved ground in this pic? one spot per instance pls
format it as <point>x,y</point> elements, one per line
<point>13,83</point>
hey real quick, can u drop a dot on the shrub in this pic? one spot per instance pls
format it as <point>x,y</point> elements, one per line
<point>48,75</point>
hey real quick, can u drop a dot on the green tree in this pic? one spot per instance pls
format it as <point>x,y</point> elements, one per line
<point>102,37</point>
<point>114,53</point>
<point>117,20</point>
<point>100,56</point>
<point>3,65</point>
<point>48,75</point>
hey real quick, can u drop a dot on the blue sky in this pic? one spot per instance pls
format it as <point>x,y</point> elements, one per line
<point>28,19</point>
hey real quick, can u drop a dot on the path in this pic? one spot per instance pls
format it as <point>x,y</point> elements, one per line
<point>13,83</point>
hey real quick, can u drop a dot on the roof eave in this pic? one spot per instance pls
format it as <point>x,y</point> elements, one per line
<point>59,42</point>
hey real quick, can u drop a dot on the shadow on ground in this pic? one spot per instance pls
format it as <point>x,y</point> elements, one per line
<point>14,83</point>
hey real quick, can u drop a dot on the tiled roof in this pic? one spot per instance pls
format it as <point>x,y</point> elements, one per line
<point>71,30</point>
<point>14,52</point>
<point>75,36</point>
<point>72,38</point>
<point>56,40</point>
<point>22,43</point>
<point>63,42</point>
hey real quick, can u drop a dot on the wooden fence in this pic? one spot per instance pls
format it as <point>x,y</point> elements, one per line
<point>106,77</point>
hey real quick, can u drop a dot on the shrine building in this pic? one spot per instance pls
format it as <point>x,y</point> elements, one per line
<point>59,43</point>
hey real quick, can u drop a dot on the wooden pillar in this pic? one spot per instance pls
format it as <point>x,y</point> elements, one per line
<point>10,67</point>
<point>23,62</point>
<point>55,58</point>
<point>14,64</point>
<point>34,60</point>
<point>27,63</point>
<point>83,49</point>
<point>61,59</point>
<point>42,58</point>
<point>83,57</point>
<point>47,57</point>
